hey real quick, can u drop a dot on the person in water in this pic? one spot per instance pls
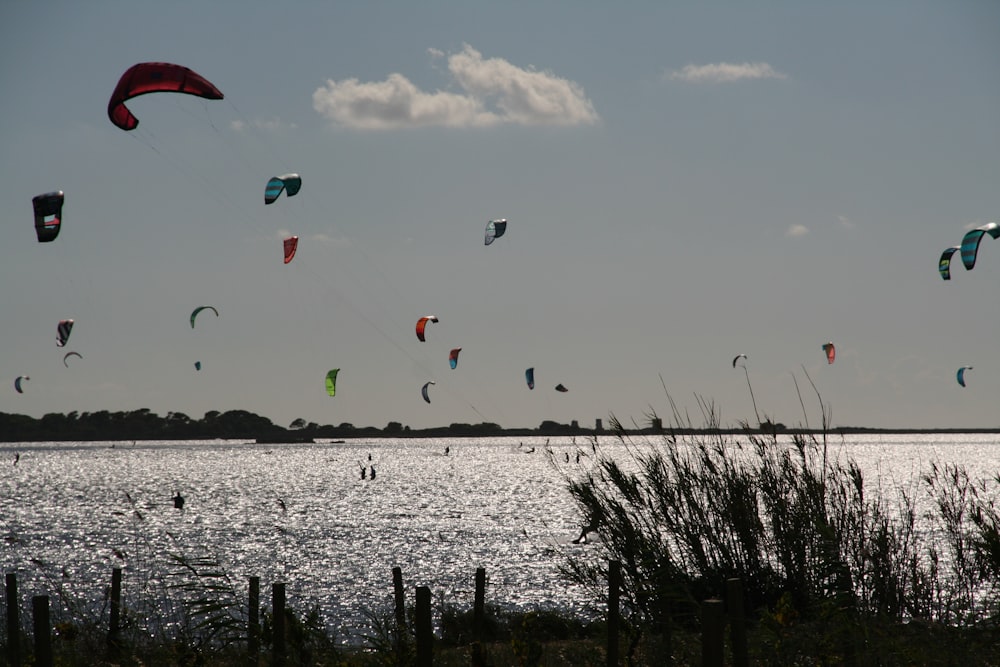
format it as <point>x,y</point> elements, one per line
<point>592,526</point>
<point>363,472</point>
<point>373,472</point>
<point>178,500</point>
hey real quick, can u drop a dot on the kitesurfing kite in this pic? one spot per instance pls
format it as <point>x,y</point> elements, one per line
<point>331,382</point>
<point>560,387</point>
<point>737,358</point>
<point>18,381</point>
<point>961,374</point>
<point>291,244</point>
<point>71,354</point>
<point>495,229</point>
<point>529,377</point>
<point>62,332</point>
<point>944,264</point>
<point>970,243</point>
<point>831,352</point>
<point>422,324</point>
<point>48,215</point>
<point>453,357</point>
<point>197,310</point>
<point>423,390</point>
<point>144,78</point>
<point>290,183</point>
<point>197,365</point>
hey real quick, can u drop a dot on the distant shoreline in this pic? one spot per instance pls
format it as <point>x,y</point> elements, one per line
<point>238,424</point>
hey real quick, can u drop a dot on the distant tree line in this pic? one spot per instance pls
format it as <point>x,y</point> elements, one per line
<point>236,424</point>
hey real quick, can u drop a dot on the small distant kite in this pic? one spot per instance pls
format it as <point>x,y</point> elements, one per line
<point>944,264</point>
<point>560,387</point>
<point>194,313</point>
<point>291,244</point>
<point>737,358</point>
<point>197,365</point>
<point>529,377</point>
<point>48,215</point>
<point>961,374</point>
<point>62,332</point>
<point>422,324</point>
<point>18,381</point>
<point>495,229</point>
<point>331,382</point>
<point>970,243</point>
<point>453,357</point>
<point>831,352</point>
<point>423,390</point>
<point>144,78</point>
<point>70,354</point>
<point>290,183</point>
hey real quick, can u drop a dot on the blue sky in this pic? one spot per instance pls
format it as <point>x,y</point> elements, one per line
<point>684,182</point>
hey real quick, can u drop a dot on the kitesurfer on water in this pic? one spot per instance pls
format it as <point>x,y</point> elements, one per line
<point>178,500</point>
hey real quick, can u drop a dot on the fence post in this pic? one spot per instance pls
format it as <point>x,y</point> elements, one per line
<point>43,630</point>
<point>114,623</point>
<point>253,623</point>
<point>614,590</point>
<point>425,634</point>
<point>13,623</point>
<point>737,622</point>
<point>400,598</point>
<point>479,619</point>
<point>713,627</point>
<point>278,605</point>
<point>479,606</point>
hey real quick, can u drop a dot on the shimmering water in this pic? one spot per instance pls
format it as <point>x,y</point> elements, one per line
<point>301,514</point>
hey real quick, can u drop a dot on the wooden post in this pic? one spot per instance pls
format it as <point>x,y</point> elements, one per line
<point>114,623</point>
<point>479,619</point>
<point>614,590</point>
<point>713,627</point>
<point>737,622</point>
<point>278,605</point>
<point>425,633</point>
<point>400,597</point>
<point>13,623</point>
<point>43,630</point>
<point>479,606</point>
<point>253,623</point>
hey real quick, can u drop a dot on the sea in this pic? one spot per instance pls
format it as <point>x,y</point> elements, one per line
<point>330,520</point>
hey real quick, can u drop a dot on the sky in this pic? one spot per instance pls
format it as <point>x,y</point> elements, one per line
<point>684,182</point>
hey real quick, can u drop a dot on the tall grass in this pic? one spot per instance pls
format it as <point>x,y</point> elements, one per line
<point>822,552</point>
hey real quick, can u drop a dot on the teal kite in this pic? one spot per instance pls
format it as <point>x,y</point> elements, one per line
<point>290,183</point>
<point>970,243</point>
<point>197,310</point>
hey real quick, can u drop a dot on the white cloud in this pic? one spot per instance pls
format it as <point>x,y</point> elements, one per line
<point>724,73</point>
<point>846,222</point>
<point>274,124</point>
<point>796,230</point>
<point>493,92</point>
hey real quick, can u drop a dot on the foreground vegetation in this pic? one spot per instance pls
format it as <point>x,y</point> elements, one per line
<point>835,569</point>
